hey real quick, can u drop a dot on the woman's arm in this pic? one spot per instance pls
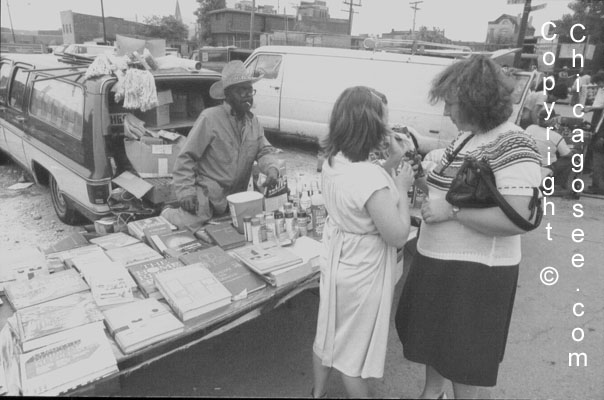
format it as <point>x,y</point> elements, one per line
<point>391,219</point>
<point>488,221</point>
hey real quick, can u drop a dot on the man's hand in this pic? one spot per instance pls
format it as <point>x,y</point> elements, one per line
<point>272,176</point>
<point>190,204</point>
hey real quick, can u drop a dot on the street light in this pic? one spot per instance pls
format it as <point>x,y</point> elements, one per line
<point>11,22</point>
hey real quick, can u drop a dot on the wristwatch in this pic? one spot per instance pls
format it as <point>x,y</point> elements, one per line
<point>454,212</point>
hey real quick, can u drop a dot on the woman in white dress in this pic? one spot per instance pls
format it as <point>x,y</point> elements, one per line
<point>368,219</point>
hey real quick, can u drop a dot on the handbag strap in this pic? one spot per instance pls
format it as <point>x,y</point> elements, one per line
<point>456,152</point>
<point>511,213</point>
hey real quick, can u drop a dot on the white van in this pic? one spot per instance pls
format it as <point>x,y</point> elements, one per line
<point>301,84</point>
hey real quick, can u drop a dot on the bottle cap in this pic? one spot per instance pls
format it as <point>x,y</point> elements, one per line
<point>247,218</point>
<point>255,221</point>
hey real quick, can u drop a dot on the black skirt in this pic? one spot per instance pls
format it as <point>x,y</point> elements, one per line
<point>455,316</point>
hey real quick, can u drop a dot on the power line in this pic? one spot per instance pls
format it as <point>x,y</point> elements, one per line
<point>415,9</point>
<point>350,13</point>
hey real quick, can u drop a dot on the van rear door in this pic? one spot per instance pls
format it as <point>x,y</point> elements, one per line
<point>267,101</point>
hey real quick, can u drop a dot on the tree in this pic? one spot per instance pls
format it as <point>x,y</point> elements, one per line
<point>589,13</point>
<point>167,27</point>
<point>203,19</point>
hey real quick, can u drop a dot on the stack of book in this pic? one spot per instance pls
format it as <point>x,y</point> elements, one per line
<point>49,322</point>
<point>192,291</point>
<point>53,252</point>
<point>141,323</point>
<point>21,294</point>
<point>239,280</point>
<point>277,265</point>
<point>83,357</point>
<point>143,274</point>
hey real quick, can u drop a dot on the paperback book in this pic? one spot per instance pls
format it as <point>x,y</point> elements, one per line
<point>136,228</point>
<point>264,260</point>
<point>82,358</point>
<point>114,240</point>
<point>110,284</point>
<point>192,290</point>
<point>143,274</point>
<point>133,254</point>
<point>21,266</point>
<point>71,242</point>
<point>141,323</point>
<point>49,322</point>
<point>225,235</point>
<point>23,294</point>
<point>174,244</point>
<point>238,279</point>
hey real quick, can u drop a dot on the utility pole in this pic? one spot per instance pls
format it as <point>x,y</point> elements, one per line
<point>252,24</point>
<point>522,33</point>
<point>11,22</point>
<point>414,8</point>
<point>351,13</point>
<point>103,17</point>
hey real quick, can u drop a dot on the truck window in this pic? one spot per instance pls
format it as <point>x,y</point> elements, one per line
<point>4,77</point>
<point>267,65</point>
<point>60,104</point>
<point>17,89</point>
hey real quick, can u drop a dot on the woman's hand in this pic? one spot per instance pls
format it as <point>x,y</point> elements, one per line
<point>437,210</point>
<point>404,179</point>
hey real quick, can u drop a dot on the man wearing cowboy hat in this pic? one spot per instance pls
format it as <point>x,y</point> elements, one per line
<point>219,152</point>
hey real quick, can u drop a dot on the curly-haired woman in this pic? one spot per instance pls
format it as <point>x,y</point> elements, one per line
<point>455,309</point>
<point>368,219</point>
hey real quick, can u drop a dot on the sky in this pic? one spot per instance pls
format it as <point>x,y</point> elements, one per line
<point>461,19</point>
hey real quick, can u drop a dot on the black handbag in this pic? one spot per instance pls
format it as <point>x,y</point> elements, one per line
<point>474,187</point>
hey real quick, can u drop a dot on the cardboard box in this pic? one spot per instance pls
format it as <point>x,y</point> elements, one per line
<point>164,97</point>
<point>153,157</point>
<point>155,117</point>
<point>162,191</point>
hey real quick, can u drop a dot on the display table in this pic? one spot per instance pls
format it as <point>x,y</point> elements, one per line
<point>196,330</point>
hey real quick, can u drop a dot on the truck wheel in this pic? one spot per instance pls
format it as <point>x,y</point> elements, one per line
<point>64,210</point>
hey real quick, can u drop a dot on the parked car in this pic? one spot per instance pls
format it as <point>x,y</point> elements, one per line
<point>301,84</point>
<point>67,132</point>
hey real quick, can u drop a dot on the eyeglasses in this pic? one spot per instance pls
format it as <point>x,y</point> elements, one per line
<point>242,92</point>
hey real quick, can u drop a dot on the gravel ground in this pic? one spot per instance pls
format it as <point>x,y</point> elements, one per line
<point>28,219</point>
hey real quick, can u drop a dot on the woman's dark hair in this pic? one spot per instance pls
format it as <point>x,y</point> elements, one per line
<point>483,90</point>
<point>356,126</point>
<point>598,77</point>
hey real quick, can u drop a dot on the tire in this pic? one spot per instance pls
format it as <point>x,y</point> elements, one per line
<point>64,210</point>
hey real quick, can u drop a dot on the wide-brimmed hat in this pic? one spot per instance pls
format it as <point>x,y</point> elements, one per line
<point>233,73</point>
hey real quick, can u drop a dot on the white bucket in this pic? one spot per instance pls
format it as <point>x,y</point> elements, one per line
<point>244,204</point>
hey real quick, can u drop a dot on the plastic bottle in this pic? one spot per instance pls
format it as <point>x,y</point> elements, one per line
<point>279,223</point>
<point>305,202</point>
<point>319,213</point>
<point>302,223</point>
<point>255,231</point>
<point>247,224</point>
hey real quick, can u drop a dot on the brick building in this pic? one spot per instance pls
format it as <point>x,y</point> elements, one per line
<point>80,28</point>
<point>232,26</point>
